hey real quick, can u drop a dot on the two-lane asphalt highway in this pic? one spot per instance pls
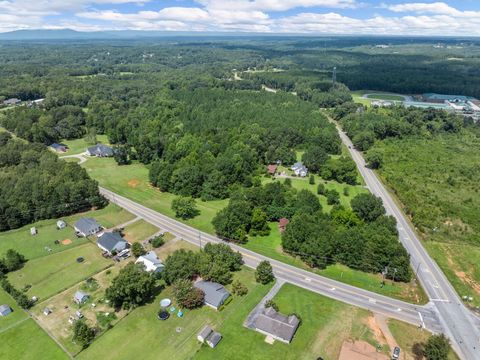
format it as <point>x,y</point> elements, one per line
<point>459,324</point>
<point>414,314</point>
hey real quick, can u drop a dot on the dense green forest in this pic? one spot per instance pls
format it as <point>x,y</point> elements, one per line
<point>35,184</point>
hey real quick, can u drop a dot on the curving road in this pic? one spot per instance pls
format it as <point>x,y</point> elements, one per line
<point>459,324</point>
<point>413,314</point>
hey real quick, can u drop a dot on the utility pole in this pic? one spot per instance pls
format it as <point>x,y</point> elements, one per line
<point>394,272</point>
<point>200,239</point>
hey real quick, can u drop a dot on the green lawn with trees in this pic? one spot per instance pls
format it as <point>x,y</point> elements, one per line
<point>48,275</point>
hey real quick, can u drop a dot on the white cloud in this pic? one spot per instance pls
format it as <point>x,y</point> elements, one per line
<point>424,8</point>
<point>273,5</point>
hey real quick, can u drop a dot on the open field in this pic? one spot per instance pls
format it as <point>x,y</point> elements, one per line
<point>79,146</point>
<point>132,181</point>
<point>33,247</point>
<point>382,96</point>
<point>140,230</point>
<point>407,335</point>
<point>325,325</point>
<point>15,317</point>
<point>436,181</point>
<point>174,338</point>
<point>51,274</point>
<point>63,306</point>
<point>27,341</point>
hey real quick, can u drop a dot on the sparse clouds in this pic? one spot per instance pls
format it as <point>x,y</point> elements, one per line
<point>282,16</point>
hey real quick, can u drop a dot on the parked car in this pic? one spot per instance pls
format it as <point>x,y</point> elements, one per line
<point>396,353</point>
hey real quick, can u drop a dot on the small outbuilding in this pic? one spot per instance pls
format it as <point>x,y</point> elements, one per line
<point>209,336</point>
<point>151,261</point>
<point>215,293</point>
<point>33,231</point>
<point>272,169</point>
<point>47,311</point>
<point>87,226</point>
<point>204,334</point>
<point>282,224</point>
<point>60,148</point>
<point>111,242</point>
<point>61,224</point>
<point>5,310</point>
<point>80,297</point>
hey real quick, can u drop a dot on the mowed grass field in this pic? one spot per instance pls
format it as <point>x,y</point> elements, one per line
<point>408,335</point>
<point>78,146</point>
<point>51,274</point>
<point>174,338</point>
<point>325,325</point>
<point>33,247</point>
<point>139,231</point>
<point>436,180</point>
<point>17,316</point>
<point>132,182</point>
<point>27,341</point>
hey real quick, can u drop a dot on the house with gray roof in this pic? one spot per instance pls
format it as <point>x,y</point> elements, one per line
<point>87,226</point>
<point>151,262</point>
<point>80,297</point>
<point>12,101</point>
<point>215,293</point>
<point>5,310</point>
<point>100,150</point>
<point>278,326</point>
<point>299,169</point>
<point>111,242</point>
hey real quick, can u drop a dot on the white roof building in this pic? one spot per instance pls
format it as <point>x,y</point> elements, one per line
<point>151,261</point>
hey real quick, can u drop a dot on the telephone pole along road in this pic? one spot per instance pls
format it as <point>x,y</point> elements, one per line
<point>413,314</point>
<point>458,322</point>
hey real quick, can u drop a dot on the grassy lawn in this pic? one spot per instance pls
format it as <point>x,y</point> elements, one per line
<point>51,274</point>
<point>78,146</point>
<point>14,317</point>
<point>139,231</point>
<point>174,338</point>
<point>27,341</point>
<point>63,306</point>
<point>407,335</point>
<point>325,325</point>
<point>132,181</point>
<point>381,96</point>
<point>34,246</point>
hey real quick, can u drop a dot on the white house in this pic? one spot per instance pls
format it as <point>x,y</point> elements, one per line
<point>299,169</point>
<point>151,261</point>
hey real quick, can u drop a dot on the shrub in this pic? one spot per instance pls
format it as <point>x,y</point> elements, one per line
<point>272,304</point>
<point>264,272</point>
<point>238,288</point>
<point>158,241</point>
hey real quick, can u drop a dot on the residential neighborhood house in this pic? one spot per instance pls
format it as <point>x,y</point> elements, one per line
<point>282,224</point>
<point>100,150</point>
<point>272,169</point>
<point>5,310</point>
<point>215,293</point>
<point>112,242</point>
<point>299,169</point>
<point>151,261</point>
<point>80,297</point>
<point>276,325</point>
<point>209,336</point>
<point>12,101</point>
<point>61,148</point>
<point>87,226</point>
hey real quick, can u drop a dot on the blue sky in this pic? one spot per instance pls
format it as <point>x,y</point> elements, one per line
<point>387,17</point>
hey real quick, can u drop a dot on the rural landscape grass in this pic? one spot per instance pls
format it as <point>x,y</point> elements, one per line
<point>436,180</point>
<point>139,231</point>
<point>78,146</point>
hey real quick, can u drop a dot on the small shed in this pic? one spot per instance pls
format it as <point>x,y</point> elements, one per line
<point>5,310</point>
<point>204,334</point>
<point>33,231</point>
<point>47,311</point>
<point>78,314</point>
<point>282,224</point>
<point>80,297</point>
<point>61,224</point>
<point>214,339</point>
<point>272,169</point>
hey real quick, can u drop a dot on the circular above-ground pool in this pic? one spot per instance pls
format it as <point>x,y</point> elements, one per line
<point>163,315</point>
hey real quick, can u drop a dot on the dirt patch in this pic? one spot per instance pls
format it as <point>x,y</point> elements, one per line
<point>133,183</point>
<point>376,330</point>
<point>360,350</point>
<point>66,242</point>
